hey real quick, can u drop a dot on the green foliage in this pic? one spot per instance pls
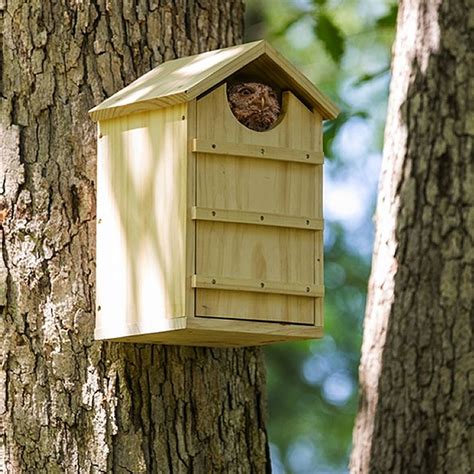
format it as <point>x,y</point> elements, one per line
<point>330,35</point>
<point>344,48</point>
<point>390,19</point>
<point>281,31</point>
<point>333,127</point>
<point>371,76</point>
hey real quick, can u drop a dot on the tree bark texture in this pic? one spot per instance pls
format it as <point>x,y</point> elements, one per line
<point>67,403</point>
<point>417,366</point>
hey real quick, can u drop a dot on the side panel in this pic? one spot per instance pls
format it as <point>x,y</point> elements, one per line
<point>141,215</point>
<point>191,202</point>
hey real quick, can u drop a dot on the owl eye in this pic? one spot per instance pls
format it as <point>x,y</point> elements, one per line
<point>245,91</point>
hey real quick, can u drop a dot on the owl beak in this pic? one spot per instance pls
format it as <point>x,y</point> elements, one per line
<point>263,102</point>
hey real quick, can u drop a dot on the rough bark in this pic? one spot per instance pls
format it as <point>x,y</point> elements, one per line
<point>67,403</point>
<point>417,366</point>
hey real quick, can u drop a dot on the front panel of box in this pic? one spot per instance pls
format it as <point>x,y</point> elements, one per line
<point>258,216</point>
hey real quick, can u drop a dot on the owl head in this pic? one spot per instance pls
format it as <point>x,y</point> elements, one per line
<point>254,104</point>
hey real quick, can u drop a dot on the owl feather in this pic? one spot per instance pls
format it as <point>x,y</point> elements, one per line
<point>254,104</point>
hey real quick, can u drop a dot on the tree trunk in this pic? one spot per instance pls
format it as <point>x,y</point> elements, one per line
<point>69,404</point>
<point>417,351</point>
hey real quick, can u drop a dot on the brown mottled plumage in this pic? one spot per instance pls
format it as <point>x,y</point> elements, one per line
<point>255,105</point>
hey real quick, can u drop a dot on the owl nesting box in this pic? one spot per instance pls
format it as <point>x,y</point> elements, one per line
<point>210,233</point>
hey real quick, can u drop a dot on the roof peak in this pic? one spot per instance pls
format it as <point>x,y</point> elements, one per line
<point>184,79</point>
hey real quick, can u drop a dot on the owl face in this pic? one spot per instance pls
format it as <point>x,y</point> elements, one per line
<point>255,105</point>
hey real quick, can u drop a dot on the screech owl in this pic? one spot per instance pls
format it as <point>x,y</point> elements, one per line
<point>254,104</point>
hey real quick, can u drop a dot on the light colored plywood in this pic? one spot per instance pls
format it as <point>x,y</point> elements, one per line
<point>176,214</point>
<point>177,81</point>
<point>258,151</point>
<point>142,207</point>
<point>243,329</point>
<point>139,327</point>
<point>254,307</point>
<point>256,218</point>
<point>319,276</point>
<point>318,172</point>
<point>191,206</point>
<point>250,252</point>
<point>212,333</point>
<point>184,79</point>
<point>257,286</point>
<point>319,236</point>
<point>235,185</point>
<point>296,128</point>
<point>252,185</point>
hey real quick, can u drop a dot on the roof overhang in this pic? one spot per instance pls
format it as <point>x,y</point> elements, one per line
<point>184,79</point>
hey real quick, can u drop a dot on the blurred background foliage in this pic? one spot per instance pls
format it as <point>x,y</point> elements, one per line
<point>343,46</point>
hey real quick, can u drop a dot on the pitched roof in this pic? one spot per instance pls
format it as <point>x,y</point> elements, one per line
<point>184,79</point>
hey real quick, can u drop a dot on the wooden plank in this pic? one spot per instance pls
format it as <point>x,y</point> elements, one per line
<point>210,332</point>
<point>141,233</point>
<point>272,186</point>
<point>259,286</point>
<point>257,218</point>
<point>248,305</point>
<point>249,52</point>
<point>191,203</point>
<point>184,79</point>
<point>257,328</point>
<point>258,151</point>
<point>139,106</point>
<point>177,81</point>
<point>282,188</point>
<point>296,128</point>
<point>318,236</point>
<point>250,252</point>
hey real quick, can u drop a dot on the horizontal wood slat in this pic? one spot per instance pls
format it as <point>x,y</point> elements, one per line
<point>258,218</point>
<point>258,151</point>
<point>260,286</point>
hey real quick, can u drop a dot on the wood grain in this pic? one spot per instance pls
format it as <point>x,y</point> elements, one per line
<point>212,332</point>
<point>190,231</point>
<point>265,152</point>
<point>141,206</point>
<point>256,218</point>
<point>257,285</point>
<point>185,79</point>
<point>237,192</point>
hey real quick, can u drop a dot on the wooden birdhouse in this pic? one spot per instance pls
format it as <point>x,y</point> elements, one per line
<point>210,233</point>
